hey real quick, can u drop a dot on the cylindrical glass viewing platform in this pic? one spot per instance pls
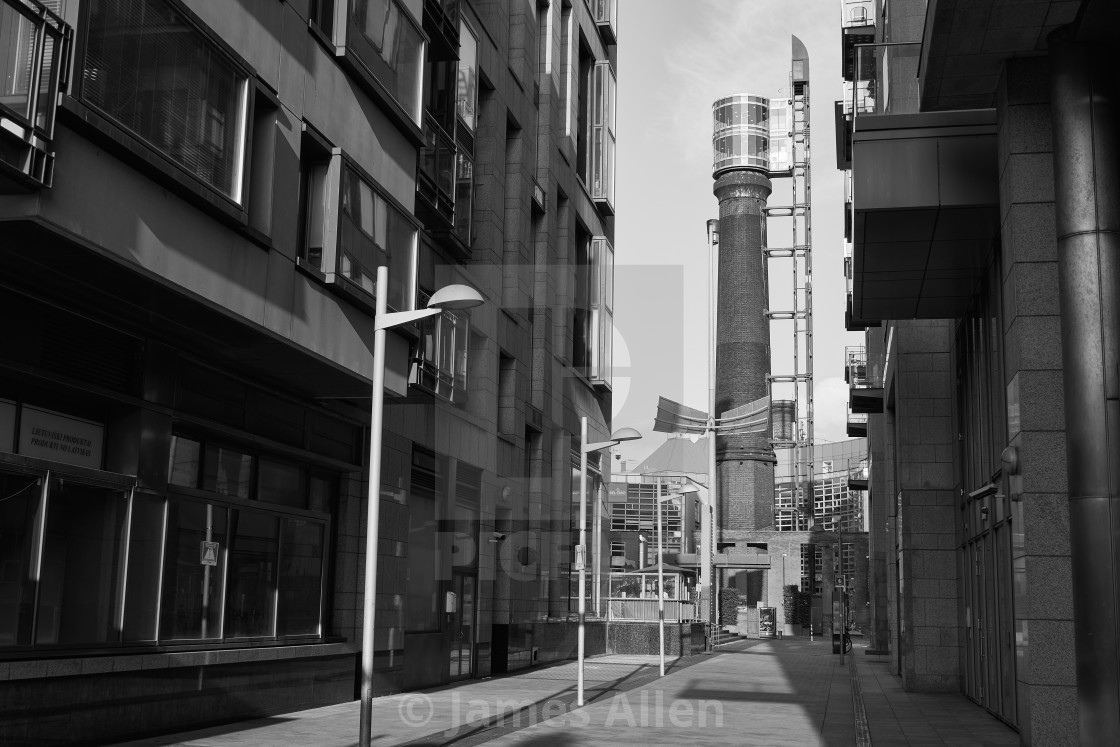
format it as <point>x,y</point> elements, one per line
<point>750,132</point>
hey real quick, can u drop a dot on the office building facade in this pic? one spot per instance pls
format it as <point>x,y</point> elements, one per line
<point>979,144</point>
<point>195,197</point>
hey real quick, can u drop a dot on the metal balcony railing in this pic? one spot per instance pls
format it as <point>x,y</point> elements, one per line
<point>36,49</point>
<point>646,610</point>
<point>856,13</point>
<point>857,424</point>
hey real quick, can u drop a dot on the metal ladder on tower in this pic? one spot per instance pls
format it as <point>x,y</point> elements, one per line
<point>800,256</point>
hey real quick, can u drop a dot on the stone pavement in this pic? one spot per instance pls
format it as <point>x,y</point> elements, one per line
<point>784,692</point>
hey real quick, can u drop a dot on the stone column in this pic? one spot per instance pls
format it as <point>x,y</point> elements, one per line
<point>1084,97</point>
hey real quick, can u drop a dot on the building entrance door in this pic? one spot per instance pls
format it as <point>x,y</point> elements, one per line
<point>462,612</point>
<point>989,621</point>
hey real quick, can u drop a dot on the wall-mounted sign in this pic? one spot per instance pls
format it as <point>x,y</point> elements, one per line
<point>616,492</point>
<point>208,553</point>
<point>60,438</point>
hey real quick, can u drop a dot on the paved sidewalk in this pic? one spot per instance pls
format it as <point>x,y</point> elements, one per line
<point>771,693</point>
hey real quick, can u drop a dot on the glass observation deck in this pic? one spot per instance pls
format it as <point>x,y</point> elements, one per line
<point>752,132</point>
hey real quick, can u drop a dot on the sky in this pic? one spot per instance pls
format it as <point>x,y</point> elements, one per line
<point>674,60</point>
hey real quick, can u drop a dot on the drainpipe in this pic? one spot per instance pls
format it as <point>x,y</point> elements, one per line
<point>1086,134</point>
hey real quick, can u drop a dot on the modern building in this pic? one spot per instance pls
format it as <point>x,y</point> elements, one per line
<point>979,140</point>
<point>786,551</point>
<point>632,500</point>
<point>195,197</point>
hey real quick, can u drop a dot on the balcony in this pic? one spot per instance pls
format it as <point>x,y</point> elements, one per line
<point>441,24</point>
<point>851,322</point>
<point>858,472</point>
<point>435,178</point>
<point>925,203</point>
<point>857,424</point>
<point>857,26</point>
<point>32,71</point>
<point>865,392</point>
<point>605,13</point>
<point>859,99</point>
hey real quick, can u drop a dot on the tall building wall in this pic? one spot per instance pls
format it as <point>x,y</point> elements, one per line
<point>198,292</point>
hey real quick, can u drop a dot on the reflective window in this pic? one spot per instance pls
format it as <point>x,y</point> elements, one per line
<point>186,458</point>
<point>227,471</point>
<point>466,96</point>
<point>301,571</point>
<point>252,575</point>
<point>464,196</point>
<point>281,483</point>
<point>144,551</point>
<point>155,74</point>
<point>18,510</point>
<point>390,45</point>
<point>80,592</point>
<point>603,135</point>
<point>28,90</point>
<point>193,592</point>
<point>373,232</point>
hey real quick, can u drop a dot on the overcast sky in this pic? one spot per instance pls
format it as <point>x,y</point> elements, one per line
<point>674,60</point>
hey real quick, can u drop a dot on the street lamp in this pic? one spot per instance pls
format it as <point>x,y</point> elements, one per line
<point>708,529</point>
<point>685,490</point>
<point>451,297</point>
<point>623,434</point>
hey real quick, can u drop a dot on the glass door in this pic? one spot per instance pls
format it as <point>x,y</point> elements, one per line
<point>461,609</point>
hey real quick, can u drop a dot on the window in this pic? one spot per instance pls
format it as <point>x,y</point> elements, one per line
<point>382,43</point>
<point>603,137</point>
<point>440,364</point>
<point>466,97</point>
<point>439,361</point>
<point>352,228</point>
<point>584,101</point>
<point>605,13</point>
<point>267,574</point>
<point>464,196</point>
<point>602,310</point>
<point>593,308</point>
<point>388,41</point>
<point>32,39</point>
<point>156,75</point>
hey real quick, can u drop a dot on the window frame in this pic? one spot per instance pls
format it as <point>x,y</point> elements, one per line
<point>466,31</point>
<point>248,85</point>
<point>339,41</point>
<point>449,386</point>
<point>32,159</point>
<point>132,148</point>
<point>197,494</point>
<point>323,209</point>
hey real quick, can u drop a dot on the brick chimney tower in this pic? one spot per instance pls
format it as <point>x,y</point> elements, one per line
<point>745,156</point>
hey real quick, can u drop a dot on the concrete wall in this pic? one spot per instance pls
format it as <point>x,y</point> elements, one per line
<point>928,631</point>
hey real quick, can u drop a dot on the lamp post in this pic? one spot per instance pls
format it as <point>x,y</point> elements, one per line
<point>623,434</point>
<point>686,490</point>
<point>708,518</point>
<point>451,297</point>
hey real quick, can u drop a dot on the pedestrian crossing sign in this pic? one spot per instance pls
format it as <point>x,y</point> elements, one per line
<point>208,553</point>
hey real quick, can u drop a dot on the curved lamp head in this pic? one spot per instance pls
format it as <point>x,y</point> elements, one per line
<point>713,231</point>
<point>455,298</point>
<point>686,489</point>
<point>625,434</point>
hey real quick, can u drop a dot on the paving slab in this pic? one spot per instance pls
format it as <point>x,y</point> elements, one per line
<point>767,693</point>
